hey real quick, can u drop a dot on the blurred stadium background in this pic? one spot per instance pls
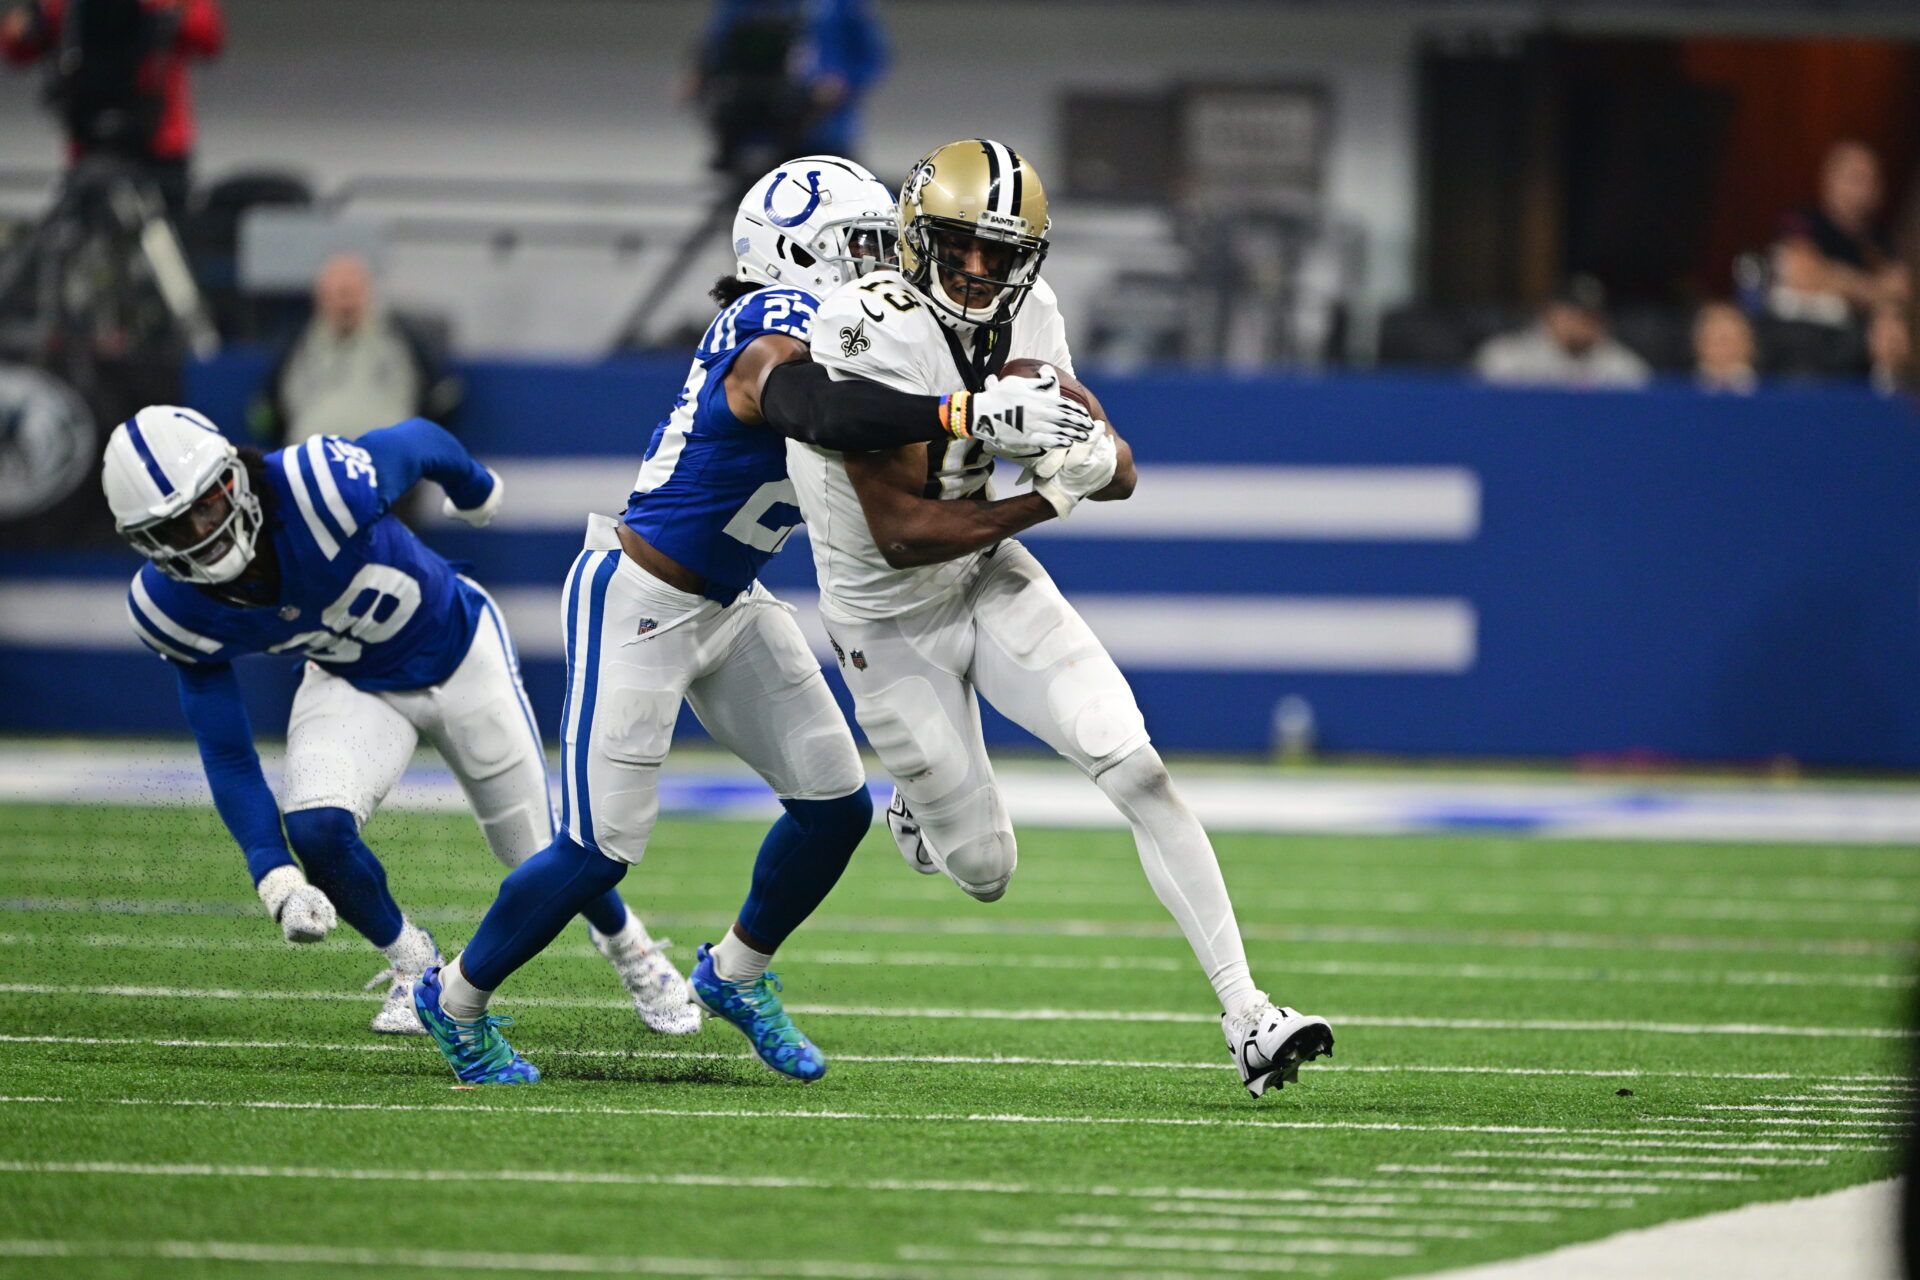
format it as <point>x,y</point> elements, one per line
<point>1517,383</point>
<point>1280,238</point>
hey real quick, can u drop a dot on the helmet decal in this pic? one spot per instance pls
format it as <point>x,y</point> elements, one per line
<point>160,480</point>
<point>813,200</point>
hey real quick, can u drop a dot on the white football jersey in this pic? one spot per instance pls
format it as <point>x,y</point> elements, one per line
<point>880,329</point>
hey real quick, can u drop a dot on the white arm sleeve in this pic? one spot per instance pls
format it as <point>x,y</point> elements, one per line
<point>863,330</point>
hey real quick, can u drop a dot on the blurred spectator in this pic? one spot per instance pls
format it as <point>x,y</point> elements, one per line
<point>1832,263</point>
<point>117,76</point>
<point>1568,346</point>
<point>354,368</point>
<point>1890,351</point>
<point>1723,349</point>
<point>781,78</point>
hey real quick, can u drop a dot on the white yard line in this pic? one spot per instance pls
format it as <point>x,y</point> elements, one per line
<point>1294,1201</point>
<point>465,1107</point>
<point>1129,963</point>
<point>931,1059</point>
<point>1843,1235</point>
<point>286,1255</point>
<point>1018,1015</point>
<point>1014,926</point>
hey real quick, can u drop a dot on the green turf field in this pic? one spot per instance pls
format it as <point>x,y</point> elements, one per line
<point>1539,1042</point>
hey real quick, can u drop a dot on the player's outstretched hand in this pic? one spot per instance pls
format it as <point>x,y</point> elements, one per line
<point>1064,476</point>
<point>1018,417</point>
<point>481,516</point>
<point>303,912</point>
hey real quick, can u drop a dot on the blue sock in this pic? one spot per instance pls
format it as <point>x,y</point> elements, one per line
<point>339,864</point>
<point>534,905</point>
<point>606,913</point>
<point>800,861</point>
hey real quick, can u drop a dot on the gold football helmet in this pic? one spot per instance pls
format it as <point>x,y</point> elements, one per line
<point>973,230</point>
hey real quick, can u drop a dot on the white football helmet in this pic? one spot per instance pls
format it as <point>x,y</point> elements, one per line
<point>166,462</point>
<point>815,222</point>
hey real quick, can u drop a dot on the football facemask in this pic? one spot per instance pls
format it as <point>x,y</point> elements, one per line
<point>210,542</point>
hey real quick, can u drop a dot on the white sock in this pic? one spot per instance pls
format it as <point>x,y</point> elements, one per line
<point>413,952</point>
<point>460,999</point>
<point>633,936</point>
<point>1185,875</point>
<point>735,961</point>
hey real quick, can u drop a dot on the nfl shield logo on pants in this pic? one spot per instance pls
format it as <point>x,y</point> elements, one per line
<point>859,660</point>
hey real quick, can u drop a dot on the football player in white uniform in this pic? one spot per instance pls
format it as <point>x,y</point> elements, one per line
<point>929,600</point>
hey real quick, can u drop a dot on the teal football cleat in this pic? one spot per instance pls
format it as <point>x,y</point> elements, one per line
<point>755,1010</point>
<point>476,1051</point>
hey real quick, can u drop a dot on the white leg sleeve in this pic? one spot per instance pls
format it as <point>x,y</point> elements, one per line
<point>1180,865</point>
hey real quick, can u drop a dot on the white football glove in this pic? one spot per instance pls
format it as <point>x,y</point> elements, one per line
<point>302,911</point>
<point>481,516</point>
<point>1064,476</point>
<point>1024,417</point>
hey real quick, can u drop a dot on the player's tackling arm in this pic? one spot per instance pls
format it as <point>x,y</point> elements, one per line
<point>416,450</point>
<point>1125,478</point>
<point>913,530</point>
<point>774,382</point>
<point>210,697</point>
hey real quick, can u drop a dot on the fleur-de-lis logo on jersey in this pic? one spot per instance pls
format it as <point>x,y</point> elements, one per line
<point>854,340</point>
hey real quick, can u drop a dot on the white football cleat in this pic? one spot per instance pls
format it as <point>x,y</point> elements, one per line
<point>412,953</point>
<point>906,834</point>
<point>1272,1042</point>
<point>660,994</point>
<point>397,1016</point>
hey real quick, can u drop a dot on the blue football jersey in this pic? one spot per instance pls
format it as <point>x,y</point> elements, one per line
<point>359,593</point>
<point>713,492</point>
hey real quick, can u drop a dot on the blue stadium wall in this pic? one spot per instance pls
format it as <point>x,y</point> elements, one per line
<point>1435,568</point>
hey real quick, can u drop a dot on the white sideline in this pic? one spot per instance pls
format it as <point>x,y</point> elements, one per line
<point>1028,1015</point>
<point>1843,1235</point>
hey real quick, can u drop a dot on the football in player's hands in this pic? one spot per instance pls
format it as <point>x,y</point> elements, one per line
<point>1070,387</point>
<point>1021,412</point>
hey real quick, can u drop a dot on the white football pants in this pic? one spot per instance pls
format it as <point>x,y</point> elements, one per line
<point>347,747</point>
<point>1011,635</point>
<point>636,648</point>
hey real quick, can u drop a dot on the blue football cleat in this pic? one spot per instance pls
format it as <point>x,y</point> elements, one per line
<point>755,1010</point>
<point>476,1051</point>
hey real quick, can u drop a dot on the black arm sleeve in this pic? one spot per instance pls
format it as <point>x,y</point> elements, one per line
<point>801,400</point>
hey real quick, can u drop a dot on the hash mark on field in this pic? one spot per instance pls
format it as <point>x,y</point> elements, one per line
<point>1500,1185</point>
<point>1393,1212</point>
<point>1275,1220</point>
<point>1024,1015</point>
<point>1814,1162</point>
<point>1230,1248</point>
<point>1662,1175</point>
<point>1709,1146</point>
